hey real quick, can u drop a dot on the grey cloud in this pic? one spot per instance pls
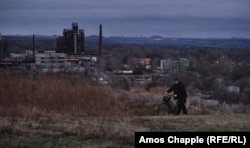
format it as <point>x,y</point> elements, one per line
<point>158,7</point>
<point>165,17</point>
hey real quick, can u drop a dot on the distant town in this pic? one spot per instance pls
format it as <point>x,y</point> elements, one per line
<point>124,74</point>
<point>70,56</point>
<point>211,63</point>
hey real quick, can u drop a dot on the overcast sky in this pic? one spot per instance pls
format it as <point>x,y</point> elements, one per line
<point>168,18</point>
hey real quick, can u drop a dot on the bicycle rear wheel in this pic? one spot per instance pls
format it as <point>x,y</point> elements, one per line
<point>163,109</point>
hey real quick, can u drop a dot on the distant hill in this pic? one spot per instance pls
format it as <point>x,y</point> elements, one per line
<point>25,41</point>
<point>186,42</point>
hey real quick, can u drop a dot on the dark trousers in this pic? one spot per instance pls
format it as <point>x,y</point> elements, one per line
<point>181,107</point>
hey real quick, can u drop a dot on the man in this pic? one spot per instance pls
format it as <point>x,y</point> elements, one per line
<point>181,95</point>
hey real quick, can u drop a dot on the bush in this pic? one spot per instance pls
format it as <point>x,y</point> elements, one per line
<point>20,95</point>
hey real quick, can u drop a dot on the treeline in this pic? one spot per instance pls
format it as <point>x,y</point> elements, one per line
<point>211,69</point>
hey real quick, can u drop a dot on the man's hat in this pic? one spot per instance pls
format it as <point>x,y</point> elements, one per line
<point>176,79</point>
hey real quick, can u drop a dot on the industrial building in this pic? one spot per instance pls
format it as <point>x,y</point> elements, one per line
<point>51,61</point>
<point>72,41</point>
<point>169,65</point>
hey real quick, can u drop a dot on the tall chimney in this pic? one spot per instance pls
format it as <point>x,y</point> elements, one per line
<point>100,41</point>
<point>1,48</point>
<point>82,41</point>
<point>33,48</point>
<point>75,43</point>
<point>75,32</point>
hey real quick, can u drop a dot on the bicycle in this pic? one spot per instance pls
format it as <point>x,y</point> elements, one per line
<point>167,107</point>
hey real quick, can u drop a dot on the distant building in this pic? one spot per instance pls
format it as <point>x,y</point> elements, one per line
<point>81,59</point>
<point>72,40</point>
<point>145,62</point>
<point>51,62</point>
<point>155,63</point>
<point>232,89</point>
<point>22,57</point>
<point>169,65</point>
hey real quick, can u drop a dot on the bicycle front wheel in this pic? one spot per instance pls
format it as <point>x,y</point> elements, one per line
<point>163,109</point>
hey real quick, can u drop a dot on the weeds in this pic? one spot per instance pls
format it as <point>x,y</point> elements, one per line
<point>21,95</point>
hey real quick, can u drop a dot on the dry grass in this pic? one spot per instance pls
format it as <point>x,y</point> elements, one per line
<point>57,130</point>
<point>58,111</point>
<point>137,89</point>
<point>21,96</point>
<point>158,90</point>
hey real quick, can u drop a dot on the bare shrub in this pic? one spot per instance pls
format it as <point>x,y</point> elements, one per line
<point>137,89</point>
<point>21,95</point>
<point>197,105</point>
<point>144,104</point>
<point>234,108</point>
<point>158,90</point>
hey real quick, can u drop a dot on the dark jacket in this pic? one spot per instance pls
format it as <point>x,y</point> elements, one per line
<point>180,90</point>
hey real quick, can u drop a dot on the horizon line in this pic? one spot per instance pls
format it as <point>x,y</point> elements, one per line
<point>136,36</point>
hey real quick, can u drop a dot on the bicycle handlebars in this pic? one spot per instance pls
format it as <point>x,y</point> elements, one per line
<point>171,95</point>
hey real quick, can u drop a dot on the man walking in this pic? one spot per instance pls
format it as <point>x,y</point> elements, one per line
<point>181,95</point>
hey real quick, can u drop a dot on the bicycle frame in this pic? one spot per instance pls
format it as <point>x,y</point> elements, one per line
<point>167,107</point>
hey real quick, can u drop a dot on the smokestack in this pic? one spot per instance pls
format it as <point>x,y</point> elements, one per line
<point>33,48</point>
<point>1,48</point>
<point>75,31</point>
<point>82,41</point>
<point>100,40</point>
<point>75,43</point>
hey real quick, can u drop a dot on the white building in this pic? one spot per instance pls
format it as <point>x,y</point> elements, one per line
<point>169,65</point>
<point>51,62</point>
<point>232,89</point>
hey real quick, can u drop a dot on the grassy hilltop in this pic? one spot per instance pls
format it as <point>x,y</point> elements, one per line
<point>57,111</point>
